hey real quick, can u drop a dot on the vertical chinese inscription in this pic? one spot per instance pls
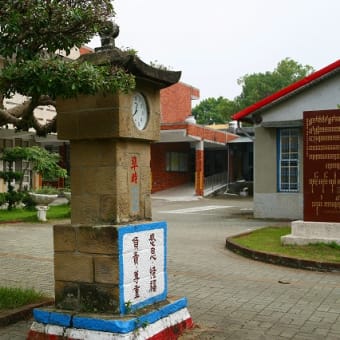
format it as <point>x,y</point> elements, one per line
<point>144,278</point>
<point>135,258</point>
<point>153,268</point>
<point>134,182</point>
<point>322,165</point>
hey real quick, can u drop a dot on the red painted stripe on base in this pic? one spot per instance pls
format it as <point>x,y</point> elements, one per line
<point>33,335</point>
<point>170,333</point>
<point>173,332</point>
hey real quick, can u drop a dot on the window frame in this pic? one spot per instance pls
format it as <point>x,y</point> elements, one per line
<point>176,161</point>
<point>288,161</point>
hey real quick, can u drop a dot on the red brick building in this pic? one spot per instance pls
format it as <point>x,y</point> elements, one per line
<point>187,152</point>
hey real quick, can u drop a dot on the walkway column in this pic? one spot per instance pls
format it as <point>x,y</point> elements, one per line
<point>199,169</point>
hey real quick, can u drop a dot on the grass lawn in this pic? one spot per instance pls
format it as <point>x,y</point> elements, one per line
<point>16,297</point>
<point>268,240</point>
<point>54,212</point>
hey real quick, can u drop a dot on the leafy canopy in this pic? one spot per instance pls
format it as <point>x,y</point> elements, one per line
<point>30,26</point>
<point>43,161</point>
<point>214,111</point>
<point>31,34</point>
<point>255,87</point>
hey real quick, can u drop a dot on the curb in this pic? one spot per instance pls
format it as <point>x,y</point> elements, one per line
<point>8,317</point>
<point>279,259</point>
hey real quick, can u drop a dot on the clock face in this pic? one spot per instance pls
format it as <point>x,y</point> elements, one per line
<point>140,112</point>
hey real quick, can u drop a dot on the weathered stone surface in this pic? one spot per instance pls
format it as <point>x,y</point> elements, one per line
<point>64,237</point>
<point>73,267</point>
<point>106,269</point>
<point>85,209</point>
<point>98,298</point>
<point>107,208</point>
<point>67,295</point>
<point>98,240</point>
<point>106,117</point>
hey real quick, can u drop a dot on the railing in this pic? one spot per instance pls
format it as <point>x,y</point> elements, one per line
<point>215,182</point>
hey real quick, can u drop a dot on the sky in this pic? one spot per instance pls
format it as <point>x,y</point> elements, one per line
<point>216,42</point>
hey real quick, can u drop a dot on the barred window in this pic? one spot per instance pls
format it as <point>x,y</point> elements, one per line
<point>288,160</point>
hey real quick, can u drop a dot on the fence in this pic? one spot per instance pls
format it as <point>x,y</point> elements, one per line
<point>215,182</point>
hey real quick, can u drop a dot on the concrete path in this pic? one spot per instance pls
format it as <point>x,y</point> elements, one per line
<point>230,297</point>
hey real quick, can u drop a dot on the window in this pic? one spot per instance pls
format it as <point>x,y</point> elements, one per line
<point>177,161</point>
<point>288,160</point>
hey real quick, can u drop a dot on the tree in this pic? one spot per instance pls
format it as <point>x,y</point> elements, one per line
<point>255,87</point>
<point>31,32</point>
<point>212,110</point>
<point>42,161</point>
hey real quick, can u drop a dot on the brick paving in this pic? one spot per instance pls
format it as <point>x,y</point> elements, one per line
<point>230,297</point>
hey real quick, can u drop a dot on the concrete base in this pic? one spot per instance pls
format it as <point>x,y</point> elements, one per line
<point>166,322</point>
<point>304,232</point>
<point>41,212</point>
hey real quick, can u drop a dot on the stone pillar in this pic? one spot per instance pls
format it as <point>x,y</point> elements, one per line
<point>109,260</point>
<point>110,181</point>
<point>110,170</point>
<point>199,169</point>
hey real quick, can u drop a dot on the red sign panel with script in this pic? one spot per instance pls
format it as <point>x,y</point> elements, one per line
<point>321,165</point>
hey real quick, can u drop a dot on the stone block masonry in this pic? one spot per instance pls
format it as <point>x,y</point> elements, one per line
<point>110,181</point>
<point>110,269</point>
<point>86,268</point>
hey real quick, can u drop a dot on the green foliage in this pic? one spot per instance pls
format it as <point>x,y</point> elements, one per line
<point>214,111</point>
<point>32,33</point>
<point>12,198</point>
<point>30,215</point>
<point>2,198</point>
<point>29,27</point>
<point>28,201</point>
<point>59,212</point>
<point>47,190</point>
<point>42,162</point>
<point>16,297</point>
<point>10,176</point>
<point>55,77</point>
<point>255,87</point>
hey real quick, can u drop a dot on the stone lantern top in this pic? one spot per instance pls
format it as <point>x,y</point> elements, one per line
<point>108,54</point>
<point>108,34</point>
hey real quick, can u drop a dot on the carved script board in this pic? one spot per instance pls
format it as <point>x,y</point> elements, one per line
<point>321,165</point>
<point>142,265</point>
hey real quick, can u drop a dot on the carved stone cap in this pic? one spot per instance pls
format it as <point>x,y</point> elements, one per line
<point>161,78</point>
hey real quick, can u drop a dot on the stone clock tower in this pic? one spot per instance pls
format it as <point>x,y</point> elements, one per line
<point>111,259</point>
<point>110,138</point>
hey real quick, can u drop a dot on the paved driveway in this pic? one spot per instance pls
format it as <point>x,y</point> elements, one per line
<point>230,297</point>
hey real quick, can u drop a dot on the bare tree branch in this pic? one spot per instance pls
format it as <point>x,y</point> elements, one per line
<point>43,130</point>
<point>7,118</point>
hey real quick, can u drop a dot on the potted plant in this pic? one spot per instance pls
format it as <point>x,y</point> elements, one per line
<point>44,195</point>
<point>42,198</point>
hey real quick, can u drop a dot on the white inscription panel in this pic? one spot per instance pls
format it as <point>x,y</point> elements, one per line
<point>143,277</point>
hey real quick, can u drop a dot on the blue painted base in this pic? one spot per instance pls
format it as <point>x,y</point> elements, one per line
<point>105,323</point>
